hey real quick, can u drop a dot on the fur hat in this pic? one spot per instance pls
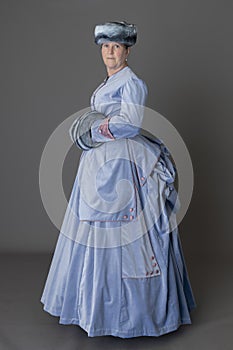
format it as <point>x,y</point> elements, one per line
<point>120,32</point>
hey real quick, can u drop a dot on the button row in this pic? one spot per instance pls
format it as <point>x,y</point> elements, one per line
<point>126,217</point>
<point>131,216</point>
<point>156,272</point>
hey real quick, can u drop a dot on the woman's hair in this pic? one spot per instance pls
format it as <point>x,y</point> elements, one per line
<point>126,46</point>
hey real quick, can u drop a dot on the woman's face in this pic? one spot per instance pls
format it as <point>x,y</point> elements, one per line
<point>114,55</point>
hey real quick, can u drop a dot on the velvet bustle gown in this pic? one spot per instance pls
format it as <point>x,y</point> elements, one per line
<point>121,271</point>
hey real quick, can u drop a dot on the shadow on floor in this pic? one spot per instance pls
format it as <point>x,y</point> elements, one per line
<point>24,325</point>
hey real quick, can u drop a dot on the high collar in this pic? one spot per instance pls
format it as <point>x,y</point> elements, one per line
<point>117,74</point>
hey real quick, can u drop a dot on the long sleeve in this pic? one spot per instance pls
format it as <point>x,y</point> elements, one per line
<point>128,121</point>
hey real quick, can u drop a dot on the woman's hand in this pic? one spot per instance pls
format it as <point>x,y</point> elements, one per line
<point>104,130</point>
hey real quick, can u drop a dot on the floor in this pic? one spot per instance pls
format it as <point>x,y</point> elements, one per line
<point>24,325</point>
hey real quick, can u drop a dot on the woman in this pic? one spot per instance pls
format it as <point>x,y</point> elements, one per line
<point>118,267</point>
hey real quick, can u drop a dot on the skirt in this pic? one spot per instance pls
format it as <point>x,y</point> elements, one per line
<point>138,287</point>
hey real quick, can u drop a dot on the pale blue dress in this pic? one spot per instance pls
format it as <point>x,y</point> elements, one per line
<point>118,268</point>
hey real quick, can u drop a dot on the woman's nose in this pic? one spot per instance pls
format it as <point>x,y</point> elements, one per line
<point>110,50</point>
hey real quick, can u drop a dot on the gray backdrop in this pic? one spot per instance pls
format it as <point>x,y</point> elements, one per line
<point>49,68</point>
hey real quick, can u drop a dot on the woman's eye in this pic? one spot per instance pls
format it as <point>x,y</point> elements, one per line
<point>106,46</point>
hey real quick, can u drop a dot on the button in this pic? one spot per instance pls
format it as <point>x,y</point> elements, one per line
<point>152,257</point>
<point>157,271</point>
<point>147,273</point>
<point>125,216</point>
<point>100,130</point>
<point>131,209</point>
<point>154,264</point>
<point>142,178</point>
<point>152,272</point>
<point>131,217</point>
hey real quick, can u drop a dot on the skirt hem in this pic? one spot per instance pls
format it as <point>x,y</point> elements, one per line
<point>93,332</point>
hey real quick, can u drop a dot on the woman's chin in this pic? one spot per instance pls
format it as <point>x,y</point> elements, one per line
<point>111,65</point>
